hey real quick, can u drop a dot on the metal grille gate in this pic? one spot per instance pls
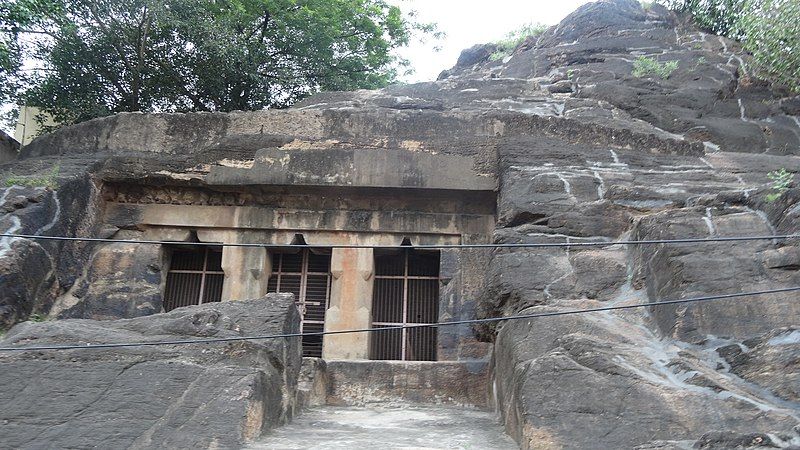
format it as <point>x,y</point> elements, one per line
<point>308,276</point>
<point>406,291</point>
<point>195,276</point>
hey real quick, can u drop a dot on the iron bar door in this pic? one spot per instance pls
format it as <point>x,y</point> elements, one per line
<point>195,277</point>
<point>406,291</point>
<point>307,275</point>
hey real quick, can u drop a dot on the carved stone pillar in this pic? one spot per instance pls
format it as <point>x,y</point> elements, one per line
<point>247,270</point>
<point>352,271</point>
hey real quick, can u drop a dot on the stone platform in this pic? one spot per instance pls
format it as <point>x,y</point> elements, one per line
<point>419,427</point>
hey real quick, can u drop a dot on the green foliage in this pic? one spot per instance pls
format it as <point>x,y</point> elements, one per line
<point>19,18</point>
<point>8,119</point>
<point>701,60</point>
<point>100,57</point>
<point>48,180</point>
<point>506,46</point>
<point>768,29</point>
<point>37,318</point>
<point>716,16</point>
<point>645,67</point>
<point>771,33</point>
<point>781,180</point>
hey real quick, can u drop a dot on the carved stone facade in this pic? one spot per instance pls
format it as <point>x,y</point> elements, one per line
<point>377,198</point>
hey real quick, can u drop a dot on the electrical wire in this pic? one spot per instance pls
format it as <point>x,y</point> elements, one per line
<point>89,346</point>
<point>416,247</point>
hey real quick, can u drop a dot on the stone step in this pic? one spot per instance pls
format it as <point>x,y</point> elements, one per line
<point>416,426</point>
<point>359,383</point>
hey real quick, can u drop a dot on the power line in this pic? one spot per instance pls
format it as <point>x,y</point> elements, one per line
<point>399,327</point>
<point>418,247</point>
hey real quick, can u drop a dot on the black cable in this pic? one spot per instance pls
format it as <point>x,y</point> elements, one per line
<point>399,327</point>
<point>417,247</point>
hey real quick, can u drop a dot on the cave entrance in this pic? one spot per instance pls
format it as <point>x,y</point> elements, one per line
<point>194,277</point>
<point>406,291</point>
<point>307,275</point>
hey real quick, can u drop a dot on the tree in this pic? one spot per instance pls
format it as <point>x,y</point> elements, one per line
<point>14,17</point>
<point>100,57</point>
<point>716,16</point>
<point>768,29</point>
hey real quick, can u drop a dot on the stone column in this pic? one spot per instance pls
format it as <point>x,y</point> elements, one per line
<point>448,338</point>
<point>247,271</point>
<point>352,270</point>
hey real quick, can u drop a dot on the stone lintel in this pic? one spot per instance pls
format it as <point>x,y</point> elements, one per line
<point>251,217</point>
<point>356,168</point>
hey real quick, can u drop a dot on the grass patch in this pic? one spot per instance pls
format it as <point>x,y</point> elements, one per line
<point>47,180</point>
<point>781,180</point>
<point>506,46</point>
<point>646,67</point>
<point>37,318</point>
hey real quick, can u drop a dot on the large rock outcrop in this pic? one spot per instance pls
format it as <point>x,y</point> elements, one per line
<point>581,150</point>
<point>218,395</point>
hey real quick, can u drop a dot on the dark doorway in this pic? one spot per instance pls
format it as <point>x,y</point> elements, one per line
<point>406,292</point>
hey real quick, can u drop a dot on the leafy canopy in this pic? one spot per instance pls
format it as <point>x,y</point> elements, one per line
<point>771,32</point>
<point>768,29</point>
<point>99,57</point>
<point>15,18</point>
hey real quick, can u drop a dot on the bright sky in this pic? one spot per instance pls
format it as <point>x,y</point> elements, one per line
<point>470,22</point>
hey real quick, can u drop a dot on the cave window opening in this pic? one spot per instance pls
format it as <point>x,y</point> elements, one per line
<point>307,275</point>
<point>194,277</point>
<point>406,292</point>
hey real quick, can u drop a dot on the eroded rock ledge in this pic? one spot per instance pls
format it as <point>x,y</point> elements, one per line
<point>177,396</point>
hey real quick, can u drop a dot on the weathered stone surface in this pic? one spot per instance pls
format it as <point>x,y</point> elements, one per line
<point>676,271</point>
<point>725,440</point>
<point>356,168</point>
<point>475,55</point>
<point>622,386</point>
<point>176,396</point>
<point>119,281</point>
<point>375,426</point>
<point>9,148</point>
<point>413,382</point>
<point>579,151</point>
<point>772,360</point>
<point>33,273</point>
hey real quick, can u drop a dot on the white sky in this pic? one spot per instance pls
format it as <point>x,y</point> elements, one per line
<point>470,22</point>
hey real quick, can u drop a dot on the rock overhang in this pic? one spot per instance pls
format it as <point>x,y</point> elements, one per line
<point>362,168</point>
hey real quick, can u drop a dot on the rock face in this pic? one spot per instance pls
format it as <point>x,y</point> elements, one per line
<point>580,150</point>
<point>33,274</point>
<point>178,396</point>
<point>9,148</point>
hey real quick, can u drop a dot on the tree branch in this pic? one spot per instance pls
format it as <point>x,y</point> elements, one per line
<point>198,104</point>
<point>102,26</point>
